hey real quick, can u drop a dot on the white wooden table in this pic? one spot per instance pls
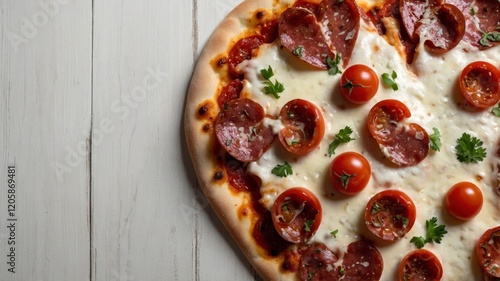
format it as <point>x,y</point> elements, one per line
<point>92,141</point>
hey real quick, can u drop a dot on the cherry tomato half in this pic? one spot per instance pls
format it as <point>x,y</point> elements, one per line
<point>296,214</point>
<point>304,126</point>
<point>390,214</point>
<point>403,144</point>
<point>480,84</point>
<point>464,200</point>
<point>359,83</point>
<point>350,173</point>
<point>420,264</point>
<point>488,252</point>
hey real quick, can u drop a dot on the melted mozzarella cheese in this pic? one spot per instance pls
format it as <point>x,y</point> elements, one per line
<point>429,88</point>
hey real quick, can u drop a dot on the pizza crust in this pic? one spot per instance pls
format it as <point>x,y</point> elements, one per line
<point>203,87</point>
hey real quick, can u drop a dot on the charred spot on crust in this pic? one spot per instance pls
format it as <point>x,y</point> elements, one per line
<point>207,127</point>
<point>260,14</point>
<point>203,110</point>
<point>218,175</point>
<point>221,62</point>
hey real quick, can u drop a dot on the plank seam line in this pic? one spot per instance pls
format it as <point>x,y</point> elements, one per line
<point>91,214</point>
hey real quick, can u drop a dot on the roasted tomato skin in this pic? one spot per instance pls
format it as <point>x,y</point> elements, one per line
<point>297,214</point>
<point>350,173</point>
<point>383,118</point>
<point>488,252</point>
<point>420,264</point>
<point>304,126</point>
<point>359,83</point>
<point>390,214</point>
<point>464,200</point>
<point>479,84</point>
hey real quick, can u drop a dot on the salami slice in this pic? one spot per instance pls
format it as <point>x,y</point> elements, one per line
<point>240,131</point>
<point>301,34</point>
<point>230,92</point>
<point>481,17</point>
<point>445,31</point>
<point>412,11</point>
<point>342,20</point>
<point>318,263</point>
<point>241,51</point>
<point>362,261</point>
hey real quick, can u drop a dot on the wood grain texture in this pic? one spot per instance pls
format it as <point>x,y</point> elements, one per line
<point>91,104</point>
<point>45,105</point>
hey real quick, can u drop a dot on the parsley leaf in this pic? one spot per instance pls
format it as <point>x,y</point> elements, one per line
<point>470,149</point>
<point>376,208</point>
<point>307,225</point>
<point>282,170</point>
<point>333,65</point>
<point>390,80</point>
<point>298,51</point>
<point>334,233</point>
<point>434,233</point>
<point>493,36</point>
<point>343,136</point>
<point>435,140</point>
<point>496,110</point>
<point>271,88</point>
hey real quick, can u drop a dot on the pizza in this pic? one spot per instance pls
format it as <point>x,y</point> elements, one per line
<point>353,139</point>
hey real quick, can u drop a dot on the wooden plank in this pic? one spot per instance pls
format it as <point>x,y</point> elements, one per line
<point>142,198</point>
<point>45,111</point>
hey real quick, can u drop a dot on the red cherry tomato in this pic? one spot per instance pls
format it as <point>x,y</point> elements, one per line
<point>304,126</point>
<point>350,173</point>
<point>480,84</point>
<point>296,214</point>
<point>390,214</point>
<point>403,144</point>
<point>359,83</point>
<point>464,200</point>
<point>420,264</point>
<point>488,252</point>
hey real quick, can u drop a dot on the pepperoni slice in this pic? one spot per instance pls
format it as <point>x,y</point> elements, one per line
<point>238,176</point>
<point>412,11</point>
<point>480,16</point>
<point>301,34</point>
<point>342,20</point>
<point>403,144</point>
<point>317,263</point>
<point>304,126</point>
<point>441,29</point>
<point>362,261</point>
<point>446,31</point>
<point>241,51</point>
<point>297,214</point>
<point>488,252</point>
<point>240,131</point>
<point>420,264</point>
<point>391,9</point>
<point>390,214</point>
<point>230,92</point>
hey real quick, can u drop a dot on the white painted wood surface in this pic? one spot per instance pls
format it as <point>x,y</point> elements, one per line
<point>91,105</point>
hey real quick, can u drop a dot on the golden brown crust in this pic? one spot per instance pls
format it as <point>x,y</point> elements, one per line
<point>203,86</point>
